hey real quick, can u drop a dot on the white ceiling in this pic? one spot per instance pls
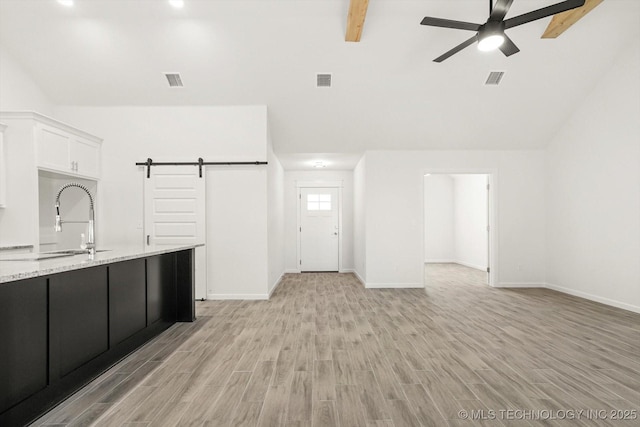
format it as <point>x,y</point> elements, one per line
<point>330,161</point>
<point>387,93</point>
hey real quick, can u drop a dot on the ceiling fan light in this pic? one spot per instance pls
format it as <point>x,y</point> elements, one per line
<point>490,42</point>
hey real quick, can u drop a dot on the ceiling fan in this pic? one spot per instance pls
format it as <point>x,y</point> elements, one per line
<point>490,35</point>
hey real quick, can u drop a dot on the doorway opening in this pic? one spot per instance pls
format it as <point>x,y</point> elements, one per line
<point>458,228</point>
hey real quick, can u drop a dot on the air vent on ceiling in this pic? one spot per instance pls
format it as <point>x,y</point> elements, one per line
<point>494,78</point>
<point>323,80</point>
<point>174,79</point>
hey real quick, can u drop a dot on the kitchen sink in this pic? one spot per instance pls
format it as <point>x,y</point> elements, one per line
<point>73,251</point>
<point>41,256</point>
<point>34,257</point>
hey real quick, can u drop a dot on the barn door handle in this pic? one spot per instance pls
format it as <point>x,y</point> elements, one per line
<point>148,239</point>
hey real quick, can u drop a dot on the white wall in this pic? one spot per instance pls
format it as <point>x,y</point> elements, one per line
<point>237,264</point>
<point>438,219</point>
<point>593,192</point>
<point>291,213</point>
<point>237,243</point>
<point>18,91</point>
<point>275,211</point>
<point>470,220</point>
<point>19,219</point>
<point>359,220</point>
<point>394,233</point>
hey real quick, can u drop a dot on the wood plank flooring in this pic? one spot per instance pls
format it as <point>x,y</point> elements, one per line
<point>324,351</point>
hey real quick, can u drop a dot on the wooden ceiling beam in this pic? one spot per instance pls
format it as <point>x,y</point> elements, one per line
<point>355,20</point>
<point>562,21</point>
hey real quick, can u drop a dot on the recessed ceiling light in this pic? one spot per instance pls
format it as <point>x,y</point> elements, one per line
<point>178,4</point>
<point>319,164</point>
<point>67,3</point>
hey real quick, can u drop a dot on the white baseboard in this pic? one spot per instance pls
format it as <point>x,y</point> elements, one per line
<point>591,297</point>
<point>360,278</point>
<point>393,285</point>
<point>455,261</point>
<point>466,264</point>
<point>238,296</point>
<point>387,285</point>
<point>294,271</point>
<point>275,286</point>
<point>519,285</point>
<point>440,261</point>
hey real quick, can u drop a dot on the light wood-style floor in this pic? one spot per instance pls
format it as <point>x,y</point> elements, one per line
<point>324,351</point>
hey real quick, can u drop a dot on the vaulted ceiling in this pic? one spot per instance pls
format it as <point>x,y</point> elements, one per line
<point>386,93</point>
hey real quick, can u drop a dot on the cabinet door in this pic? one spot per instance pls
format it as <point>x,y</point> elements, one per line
<point>78,319</point>
<point>86,156</point>
<point>127,300</point>
<point>53,148</point>
<point>161,288</point>
<point>23,340</point>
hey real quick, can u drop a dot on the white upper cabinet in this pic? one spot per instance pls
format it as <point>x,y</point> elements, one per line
<point>86,155</point>
<point>62,150</point>
<point>52,148</point>
<point>59,147</point>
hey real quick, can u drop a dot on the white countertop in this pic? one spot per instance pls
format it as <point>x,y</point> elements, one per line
<point>14,246</point>
<point>17,270</point>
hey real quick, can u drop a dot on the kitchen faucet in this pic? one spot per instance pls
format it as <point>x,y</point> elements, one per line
<point>91,242</point>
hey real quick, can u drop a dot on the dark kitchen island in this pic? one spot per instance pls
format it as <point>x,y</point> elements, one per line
<point>64,321</point>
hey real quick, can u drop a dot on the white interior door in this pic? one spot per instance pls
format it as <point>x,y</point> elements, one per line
<point>174,213</point>
<point>319,229</point>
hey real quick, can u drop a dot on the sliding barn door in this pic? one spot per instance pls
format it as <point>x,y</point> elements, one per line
<point>174,213</point>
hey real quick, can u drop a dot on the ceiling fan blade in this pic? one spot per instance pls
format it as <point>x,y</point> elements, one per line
<point>500,9</point>
<point>448,23</point>
<point>543,13</point>
<point>456,49</point>
<point>508,47</point>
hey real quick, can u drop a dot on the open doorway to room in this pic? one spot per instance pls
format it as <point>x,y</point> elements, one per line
<point>457,231</point>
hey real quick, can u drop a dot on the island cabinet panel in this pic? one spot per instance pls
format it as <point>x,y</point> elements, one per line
<point>127,300</point>
<point>185,278</point>
<point>59,330</point>
<point>23,340</point>
<point>79,328</point>
<point>161,288</point>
